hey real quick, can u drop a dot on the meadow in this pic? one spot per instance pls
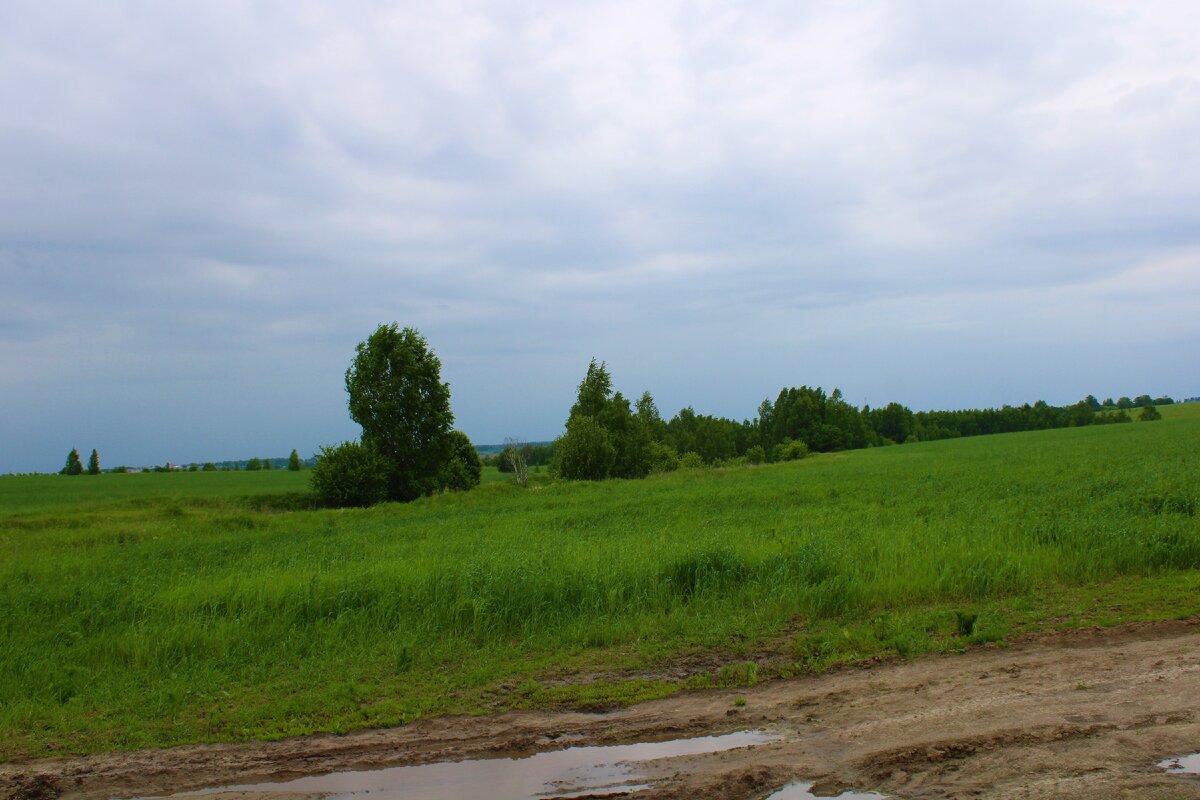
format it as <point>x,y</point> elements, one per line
<point>156,609</point>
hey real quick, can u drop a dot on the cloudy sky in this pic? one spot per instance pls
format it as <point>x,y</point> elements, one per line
<point>205,206</point>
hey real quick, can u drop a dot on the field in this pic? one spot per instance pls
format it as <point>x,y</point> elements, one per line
<point>158,609</point>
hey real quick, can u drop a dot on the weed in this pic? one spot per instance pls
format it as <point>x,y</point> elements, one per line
<point>964,622</point>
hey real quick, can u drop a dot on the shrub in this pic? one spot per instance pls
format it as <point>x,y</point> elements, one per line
<point>691,460</point>
<point>463,470</point>
<point>350,474</point>
<point>584,452</point>
<point>663,457</point>
<point>789,450</point>
<point>756,455</point>
<point>1149,414</point>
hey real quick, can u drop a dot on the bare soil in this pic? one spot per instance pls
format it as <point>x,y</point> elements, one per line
<point>1083,714</point>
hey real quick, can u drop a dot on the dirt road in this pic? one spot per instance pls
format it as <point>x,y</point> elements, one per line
<point>1084,714</point>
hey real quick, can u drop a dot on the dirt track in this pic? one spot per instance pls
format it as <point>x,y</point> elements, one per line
<point>1078,715</point>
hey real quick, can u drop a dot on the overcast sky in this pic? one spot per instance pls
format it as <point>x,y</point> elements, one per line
<point>205,206</point>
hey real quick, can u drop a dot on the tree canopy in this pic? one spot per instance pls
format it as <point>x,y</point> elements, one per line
<point>397,396</point>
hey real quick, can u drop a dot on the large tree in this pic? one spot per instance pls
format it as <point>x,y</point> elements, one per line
<point>397,396</point>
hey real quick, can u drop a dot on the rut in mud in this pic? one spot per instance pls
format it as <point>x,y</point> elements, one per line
<point>1077,715</point>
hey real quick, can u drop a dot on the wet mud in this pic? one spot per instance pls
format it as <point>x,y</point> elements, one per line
<point>1077,715</point>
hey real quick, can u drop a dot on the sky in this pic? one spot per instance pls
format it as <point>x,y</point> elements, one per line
<point>205,206</point>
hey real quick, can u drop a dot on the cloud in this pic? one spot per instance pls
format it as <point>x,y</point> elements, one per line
<point>218,200</point>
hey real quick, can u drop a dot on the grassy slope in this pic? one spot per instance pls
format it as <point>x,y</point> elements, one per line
<point>148,610</point>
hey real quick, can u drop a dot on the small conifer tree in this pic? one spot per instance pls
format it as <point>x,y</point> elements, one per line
<point>93,467</point>
<point>294,461</point>
<point>74,465</point>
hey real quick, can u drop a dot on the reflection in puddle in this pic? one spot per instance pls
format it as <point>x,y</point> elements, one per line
<point>576,771</point>
<point>800,791</point>
<point>1183,765</point>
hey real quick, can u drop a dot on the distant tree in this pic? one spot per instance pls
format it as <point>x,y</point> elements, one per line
<point>268,464</point>
<point>193,467</point>
<point>1149,414</point>
<point>209,467</point>
<point>1092,402</point>
<point>93,467</point>
<point>1163,401</point>
<point>397,396</point>
<point>513,459</point>
<point>254,464</point>
<point>463,470</point>
<point>350,474</point>
<point>1108,402</point>
<point>1142,400</point>
<point>1124,403</point>
<point>622,439</point>
<point>74,466</point>
<point>585,451</point>
<point>294,462</point>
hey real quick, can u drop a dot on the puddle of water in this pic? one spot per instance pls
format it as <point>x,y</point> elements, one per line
<point>800,791</point>
<point>575,771</point>
<point>1183,765</point>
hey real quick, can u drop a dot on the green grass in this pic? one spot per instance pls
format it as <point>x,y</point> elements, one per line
<point>148,610</point>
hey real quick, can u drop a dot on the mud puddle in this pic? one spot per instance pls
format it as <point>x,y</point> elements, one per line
<point>1183,765</point>
<point>804,791</point>
<point>595,771</point>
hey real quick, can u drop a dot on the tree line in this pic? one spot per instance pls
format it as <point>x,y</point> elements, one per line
<point>75,467</point>
<point>608,437</point>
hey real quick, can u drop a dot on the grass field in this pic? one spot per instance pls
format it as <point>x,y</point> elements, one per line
<point>155,609</point>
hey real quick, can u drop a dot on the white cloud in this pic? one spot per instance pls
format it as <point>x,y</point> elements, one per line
<point>780,185</point>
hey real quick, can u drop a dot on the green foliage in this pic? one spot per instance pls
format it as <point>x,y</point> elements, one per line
<point>93,466</point>
<point>756,454</point>
<point>584,452</point>
<point>74,466</point>
<point>663,457</point>
<point>691,460</point>
<point>1149,413</point>
<point>788,450</point>
<point>267,464</point>
<point>397,396</point>
<point>150,610</point>
<point>294,462</point>
<point>254,464</point>
<point>208,467</point>
<point>463,470</point>
<point>350,474</point>
<point>616,443</point>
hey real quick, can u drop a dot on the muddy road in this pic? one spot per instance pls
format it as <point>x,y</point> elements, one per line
<point>1085,714</point>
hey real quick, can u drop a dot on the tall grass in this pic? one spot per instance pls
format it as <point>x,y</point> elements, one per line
<point>205,613</point>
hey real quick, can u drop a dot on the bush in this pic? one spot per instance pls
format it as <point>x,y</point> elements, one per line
<point>756,455</point>
<point>1149,414</point>
<point>463,470</point>
<point>691,460</point>
<point>584,452</point>
<point>350,474</point>
<point>789,450</point>
<point>663,457</point>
